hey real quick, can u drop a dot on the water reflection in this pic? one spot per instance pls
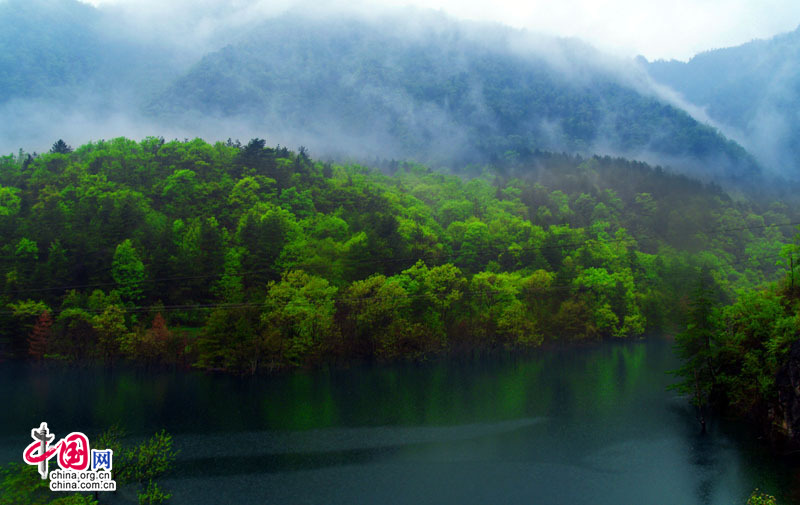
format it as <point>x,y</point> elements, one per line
<point>588,425</point>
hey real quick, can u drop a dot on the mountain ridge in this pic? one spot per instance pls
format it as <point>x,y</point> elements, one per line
<point>418,86</point>
<point>494,99</point>
<point>749,91</point>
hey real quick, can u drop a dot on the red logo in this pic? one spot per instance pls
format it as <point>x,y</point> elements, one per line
<point>73,450</point>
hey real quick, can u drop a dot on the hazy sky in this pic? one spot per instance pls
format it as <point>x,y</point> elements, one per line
<point>656,29</point>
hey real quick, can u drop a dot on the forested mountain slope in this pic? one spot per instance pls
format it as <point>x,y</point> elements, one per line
<point>437,90</point>
<point>410,84</point>
<point>751,90</point>
<point>246,257</point>
<point>60,51</point>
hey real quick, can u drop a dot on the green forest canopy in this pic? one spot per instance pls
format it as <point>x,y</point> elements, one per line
<point>246,257</point>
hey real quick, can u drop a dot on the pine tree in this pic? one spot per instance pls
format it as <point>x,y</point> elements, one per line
<point>128,272</point>
<point>695,347</point>
<point>38,339</point>
<point>61,147</point>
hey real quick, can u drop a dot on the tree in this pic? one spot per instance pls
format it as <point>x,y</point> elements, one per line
<point>111,329</point>
<point>57,267</point>
<point>140,464</point>
<point>374,320</point>
<point>474,246</point>
<point>263,232</point>
<point>127,270</point>
<point>25,316</point>
<point>9,201</point>
<point>200,256</point>
<point>38,340</point>
<point>299,314</point>
<point>759,498</point>
<point>156,339</point>
<point>153,495</point>
<point>694,346</point>
<point>789,252</point>
<point>60,147</point>
<point>78,337</point>
<point>26,256</point>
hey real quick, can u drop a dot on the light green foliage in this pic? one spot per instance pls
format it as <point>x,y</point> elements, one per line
<point>758,330</point>
<point>141,463</point>
<point>111,329</point>
<point>559,205</point>
<point>474,246</point>
<point>9,201</point>
<point>517,326</point>
<point>263,232</point>
<point>603,287</point>
<point>245,193</point>
<point>455,210</point>
<point>231,286</point>
<point>180,190</point>
<point>378,318</point>
<point>127,270</point>
<point>323,248</point>
<point>759,498</point>
<point>138,463</point>
<point>435,290</point>
<point>153,495</point>
<point>499,312</point>
<point>298,202</point>
<point>298,313</point>
<point>271,260</point>
<point>27,250</point>
<point>148,460</point>
<point>28,310</point>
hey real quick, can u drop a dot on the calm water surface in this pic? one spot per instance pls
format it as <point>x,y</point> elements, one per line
<point>574,426</point>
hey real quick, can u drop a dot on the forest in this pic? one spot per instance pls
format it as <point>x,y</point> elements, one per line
<point>486,256</point>
<point>249,258</point>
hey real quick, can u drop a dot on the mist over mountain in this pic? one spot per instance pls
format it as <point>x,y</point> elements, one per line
<point>751,91</point>
<point>404,84</point>
<point>441,91</point>
<point>65,50</point>
<point>69,70</point>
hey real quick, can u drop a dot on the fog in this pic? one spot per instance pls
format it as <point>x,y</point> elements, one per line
<point>749,92</point>
<point>657,30</point>
<point>217,70</point>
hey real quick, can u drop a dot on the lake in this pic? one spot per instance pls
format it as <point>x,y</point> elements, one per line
<point>586,425</point>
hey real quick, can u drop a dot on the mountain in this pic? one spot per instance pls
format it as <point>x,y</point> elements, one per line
<point>410,84</point>
<point>72,71</point>
<point>46,46</point>
<point>64,49</point>
<point>751,91</point>
<point>442,91</point>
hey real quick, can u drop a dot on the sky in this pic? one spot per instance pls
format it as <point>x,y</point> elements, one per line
<point>675,29</point>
